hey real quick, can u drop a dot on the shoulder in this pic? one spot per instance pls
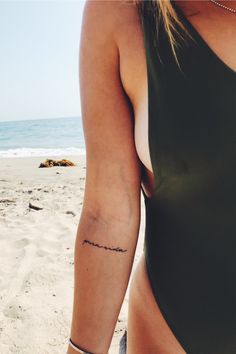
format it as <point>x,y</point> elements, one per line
<point>106,20</point>
<point>111,44</point>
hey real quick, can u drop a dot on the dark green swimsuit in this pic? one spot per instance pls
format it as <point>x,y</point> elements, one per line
<point>190,235</point>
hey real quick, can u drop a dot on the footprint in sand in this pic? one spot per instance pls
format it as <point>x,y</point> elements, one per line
<point>15,310</point>
<point>41,253</point>
<point>22,242</point>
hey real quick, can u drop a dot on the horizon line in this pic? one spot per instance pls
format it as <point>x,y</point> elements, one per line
<point>23,120</point>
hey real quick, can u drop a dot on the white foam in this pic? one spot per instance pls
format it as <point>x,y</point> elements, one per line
<point>28,152</point>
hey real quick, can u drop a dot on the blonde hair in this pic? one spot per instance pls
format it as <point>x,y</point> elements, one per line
<point>169,16</point>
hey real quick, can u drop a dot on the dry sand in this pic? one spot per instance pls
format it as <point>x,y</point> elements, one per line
<point>36,255</point>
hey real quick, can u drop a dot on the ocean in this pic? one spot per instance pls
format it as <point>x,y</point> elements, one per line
<point>42,137</point>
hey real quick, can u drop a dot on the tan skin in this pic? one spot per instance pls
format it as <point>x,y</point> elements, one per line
<point>113,87</point>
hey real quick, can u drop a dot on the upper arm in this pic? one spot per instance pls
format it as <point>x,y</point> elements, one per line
<point>112,186</point>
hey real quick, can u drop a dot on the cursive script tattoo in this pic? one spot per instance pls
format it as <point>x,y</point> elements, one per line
<point>117,249</point>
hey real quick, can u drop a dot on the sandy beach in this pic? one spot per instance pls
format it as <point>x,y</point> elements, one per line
<point>36,254</point>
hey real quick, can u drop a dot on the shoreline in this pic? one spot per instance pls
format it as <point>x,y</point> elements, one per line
<point>43,153</point>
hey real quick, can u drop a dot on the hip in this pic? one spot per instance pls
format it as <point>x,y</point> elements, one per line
<point>147,330</point>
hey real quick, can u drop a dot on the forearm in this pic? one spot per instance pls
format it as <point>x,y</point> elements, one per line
<point>104,253</point>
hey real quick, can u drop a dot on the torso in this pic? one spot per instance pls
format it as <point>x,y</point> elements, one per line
<point>219,32</point>
<point>218,29</point>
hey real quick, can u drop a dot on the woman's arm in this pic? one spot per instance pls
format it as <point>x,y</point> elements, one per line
<point>110,218</point>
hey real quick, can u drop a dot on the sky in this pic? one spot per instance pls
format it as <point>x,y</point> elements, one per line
<point>39,58</point>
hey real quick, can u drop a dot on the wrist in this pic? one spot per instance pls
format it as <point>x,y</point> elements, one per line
<point>78,348</point>
<point>75,348</point>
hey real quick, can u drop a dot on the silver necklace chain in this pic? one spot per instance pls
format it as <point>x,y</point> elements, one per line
<point>223,6</point>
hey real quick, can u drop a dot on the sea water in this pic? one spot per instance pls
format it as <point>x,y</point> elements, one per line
<point>42,137</point>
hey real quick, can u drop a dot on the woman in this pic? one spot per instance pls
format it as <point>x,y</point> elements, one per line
<point>158,92</point>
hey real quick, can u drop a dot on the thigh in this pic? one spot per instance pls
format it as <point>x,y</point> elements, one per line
<point>147,330</point>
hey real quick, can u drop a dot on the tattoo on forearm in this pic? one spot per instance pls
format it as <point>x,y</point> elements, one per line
<point>117,249</point>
